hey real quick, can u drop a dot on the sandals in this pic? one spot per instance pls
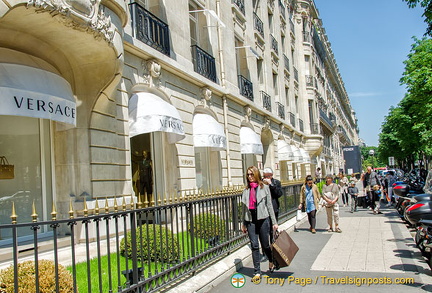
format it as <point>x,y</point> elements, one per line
<point>256,279</point>
<point>338,230</point>
<point>330,229</point>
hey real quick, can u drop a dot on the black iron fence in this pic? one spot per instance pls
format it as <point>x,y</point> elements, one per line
<point>258,24</point>
<point>150,29</point>
<point>127,247</point>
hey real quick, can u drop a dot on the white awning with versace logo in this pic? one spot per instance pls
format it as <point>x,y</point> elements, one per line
<point>33,92</point>
<point>250,142</point>
<point>150,113</point>
<point>208,132</point>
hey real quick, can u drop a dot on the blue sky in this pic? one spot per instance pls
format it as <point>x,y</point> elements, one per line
<point>370,39</point>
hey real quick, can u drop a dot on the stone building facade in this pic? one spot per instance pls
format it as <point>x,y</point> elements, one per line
<point>108,99</point>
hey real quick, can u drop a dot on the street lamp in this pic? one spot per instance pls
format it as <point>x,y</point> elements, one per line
<point>372,153</point>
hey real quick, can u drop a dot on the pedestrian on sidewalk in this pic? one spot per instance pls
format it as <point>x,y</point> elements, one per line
<point>370,180</point>
<point>275,192</point>
<point>330,194</point>
<point>343,188</point>
<point>257,214</point>
<point>309,201</point>
<point>353,192</point>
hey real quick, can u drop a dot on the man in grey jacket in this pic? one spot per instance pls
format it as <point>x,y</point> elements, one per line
<point>370,180</point>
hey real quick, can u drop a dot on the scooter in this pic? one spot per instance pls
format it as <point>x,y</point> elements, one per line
<point>423,239</point>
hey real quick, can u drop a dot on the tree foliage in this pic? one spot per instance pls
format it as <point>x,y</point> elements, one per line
<point>427,14</point>
<point>406,132</point>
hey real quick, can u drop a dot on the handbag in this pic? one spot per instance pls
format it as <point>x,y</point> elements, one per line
<point>299,215</point>
<point>6,170</point>
<point>283,248</point>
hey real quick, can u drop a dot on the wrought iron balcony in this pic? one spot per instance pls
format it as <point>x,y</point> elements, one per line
<point>240,5</point>
<point>292,26</point>
<point>266,101</point>
<point>326,119</point>
<point>150,29</point>
<point>319,46</point>
<point>204,63</point>
<point>246,87</point>
<point>281,110</point>
<point>281,9</point>
<point>309,80</point>
<point>292,119</point>
<point>306,37</point>
<point>286,63</point>
<point>296,77</point>
<point>258,25</point>
<point>274,45</point>
<point>314,128</point>
<point>301,126</point>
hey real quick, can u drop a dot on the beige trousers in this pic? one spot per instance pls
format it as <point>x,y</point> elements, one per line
<point>333,213</point>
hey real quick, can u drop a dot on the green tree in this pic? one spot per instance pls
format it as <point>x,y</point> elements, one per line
<point>369,159</point>
<point>427,14</point>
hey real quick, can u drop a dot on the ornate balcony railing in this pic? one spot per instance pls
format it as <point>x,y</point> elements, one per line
<point>296,77</point>
<point>292,26</point>
<point>246,87</point>
<point>281,9</point>
<point>150,29</point>
<point>301,126</point>
<point>306,37</point>
<point>281,110</point>
<point>266,101</point>
<point>309,80</point>
<point>314,128</point>
<point>326,119</point>
<point>274,45</point>
<point>204,63</point>
<point>286,63</point>
<point>258,25</point>
<point>292,119</point>
<point>240,5</point>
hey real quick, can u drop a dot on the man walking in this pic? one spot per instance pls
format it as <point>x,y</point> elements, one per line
<point>275,191</point>
<point>370,180</point>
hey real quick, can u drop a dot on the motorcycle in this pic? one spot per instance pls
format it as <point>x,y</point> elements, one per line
<point>423,239</point>
<point>417,211</point>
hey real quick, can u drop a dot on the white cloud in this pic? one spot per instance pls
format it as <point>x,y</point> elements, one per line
<point>364,94</point>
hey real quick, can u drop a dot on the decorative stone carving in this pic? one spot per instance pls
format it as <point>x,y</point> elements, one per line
<point>85,15</point>
<point>281,130</point>
<point>266,125</point>
<point>151,73</point>
<point>248,113</point>
<point>206,96</point>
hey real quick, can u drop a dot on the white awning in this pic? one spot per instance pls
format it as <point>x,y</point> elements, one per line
<point>305,155</point>
<point>285,152</point>
<point>250,142</point>
<point>150,113</point>
<point>207,132</point>
<point>298,157</point>
<point>32,92</point>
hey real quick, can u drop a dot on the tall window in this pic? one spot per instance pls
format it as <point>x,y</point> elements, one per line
<point>208,169</point>
<point>26,146</point>
<point>275,84</point>
<point>260,70</point>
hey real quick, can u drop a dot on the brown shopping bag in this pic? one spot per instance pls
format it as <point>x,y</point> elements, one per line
<point>6,170</point>
<point>284,249</point>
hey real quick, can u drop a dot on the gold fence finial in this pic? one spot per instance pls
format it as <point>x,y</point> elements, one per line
<point>71,211</point>
<point>106,206</point>
<point>14,215</point>
<point>54,212</point>
<point>139,203</point>
<point>124,204</point>
<point>132,202</point>
<point>115,205</point>
<point>34,215</point>
<point>85,208</point>
<point>96,209</point>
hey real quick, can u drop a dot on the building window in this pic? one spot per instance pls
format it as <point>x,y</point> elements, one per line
<point>208,169</point>
<point>26,146</point>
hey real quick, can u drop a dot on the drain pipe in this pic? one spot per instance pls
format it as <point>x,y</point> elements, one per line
<point>228,156</point>
<point>224,99</point>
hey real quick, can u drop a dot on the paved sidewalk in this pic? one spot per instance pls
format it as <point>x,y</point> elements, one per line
<point>378,248</point>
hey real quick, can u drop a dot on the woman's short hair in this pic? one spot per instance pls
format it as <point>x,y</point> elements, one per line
<point>308,178</point>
